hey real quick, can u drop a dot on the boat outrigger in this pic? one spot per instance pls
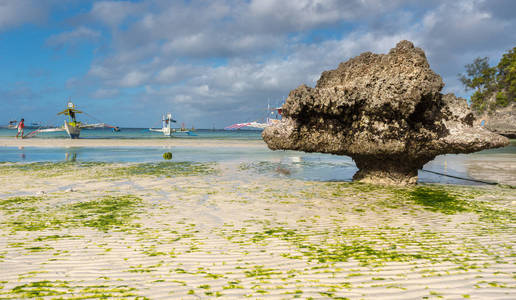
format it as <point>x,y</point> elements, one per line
<point>71,125</point>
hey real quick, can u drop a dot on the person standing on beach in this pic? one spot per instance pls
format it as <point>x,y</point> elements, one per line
<point>20,126</point>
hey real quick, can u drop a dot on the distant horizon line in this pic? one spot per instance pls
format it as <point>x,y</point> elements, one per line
<point>214,128</point>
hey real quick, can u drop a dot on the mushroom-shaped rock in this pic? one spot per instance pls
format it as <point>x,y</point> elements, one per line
<point>385,111</point>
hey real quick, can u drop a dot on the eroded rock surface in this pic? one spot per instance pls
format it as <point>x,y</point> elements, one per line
<point>385,111</point>
<point>501,121</point>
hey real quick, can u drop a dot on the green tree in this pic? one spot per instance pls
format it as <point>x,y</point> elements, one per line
<point>498,81</point>
<point>506,78</point>
<point>480,77</point>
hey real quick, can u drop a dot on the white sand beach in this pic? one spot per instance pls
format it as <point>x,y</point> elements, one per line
<point>189,231</point>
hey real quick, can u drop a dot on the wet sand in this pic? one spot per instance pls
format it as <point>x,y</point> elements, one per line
<point>500,168</point>
<point>190,231</point>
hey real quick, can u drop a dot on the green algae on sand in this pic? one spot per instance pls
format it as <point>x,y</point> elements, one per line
<point>252,237</point>
<point>108,170</point>
<point>37,213</point>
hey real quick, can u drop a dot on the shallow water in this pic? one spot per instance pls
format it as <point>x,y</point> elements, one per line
<point>142,133</point>
<point>496,165</point>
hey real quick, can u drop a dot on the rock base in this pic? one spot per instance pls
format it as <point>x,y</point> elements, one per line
<point>383,177</point>
<point>388,171</point>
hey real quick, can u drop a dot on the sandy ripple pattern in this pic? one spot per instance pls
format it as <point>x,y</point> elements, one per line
<point>223,231</point>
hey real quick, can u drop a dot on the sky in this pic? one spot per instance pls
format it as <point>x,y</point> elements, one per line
<point>215,63</point>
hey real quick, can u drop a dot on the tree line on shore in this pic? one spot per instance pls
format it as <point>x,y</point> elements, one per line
<point>495,87</point>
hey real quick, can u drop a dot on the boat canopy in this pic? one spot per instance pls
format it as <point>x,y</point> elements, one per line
<point>69,110</point>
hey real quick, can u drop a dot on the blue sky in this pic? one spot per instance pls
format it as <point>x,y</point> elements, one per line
<point>214,63</point>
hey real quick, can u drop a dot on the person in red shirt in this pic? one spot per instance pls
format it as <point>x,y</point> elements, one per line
<point>20,126</point>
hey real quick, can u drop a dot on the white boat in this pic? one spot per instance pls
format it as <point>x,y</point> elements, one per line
<point>13,124</point>
<point>273,116</point>
<point>166,120</point>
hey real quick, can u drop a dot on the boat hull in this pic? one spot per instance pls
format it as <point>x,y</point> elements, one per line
<point>167,131</point>
<point>72,130</point>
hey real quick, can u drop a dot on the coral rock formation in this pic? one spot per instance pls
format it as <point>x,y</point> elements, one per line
<point>385,111</point>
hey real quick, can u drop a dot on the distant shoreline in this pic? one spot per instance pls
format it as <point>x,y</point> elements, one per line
<point>164,142</point>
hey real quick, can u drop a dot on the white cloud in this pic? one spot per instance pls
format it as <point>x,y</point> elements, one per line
<point>182,98</point>
<point>113,13</point>
<point>17,12</point>
<point>99,71</point>
<point>297,14</point>
<point>220,44</point>
<point>177,72</point>
<point>105,93</point>
<point>305,14</point>
<point>168,74</point>
<point>133,78</point>
<point>71,38</point>
<point>454,33</point>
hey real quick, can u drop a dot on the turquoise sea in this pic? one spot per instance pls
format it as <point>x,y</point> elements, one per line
<point>300,165</point>
<point>141,133</point>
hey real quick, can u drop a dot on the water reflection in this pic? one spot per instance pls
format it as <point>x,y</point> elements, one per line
<point>289,164</point>
<point>71,155</point>
<point>22,155</point>
<point>498,165</point>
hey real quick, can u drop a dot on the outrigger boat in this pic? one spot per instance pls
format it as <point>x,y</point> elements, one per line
<point>166,121</point>
<point>71,125</point>
<point>275,112</point>
<point>165,129</point>
<point>13,124</point>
